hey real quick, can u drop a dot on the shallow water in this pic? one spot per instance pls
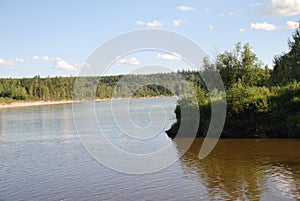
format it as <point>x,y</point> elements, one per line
<point>42,158</point>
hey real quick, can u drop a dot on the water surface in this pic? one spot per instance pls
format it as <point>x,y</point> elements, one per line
<point>42,158</point>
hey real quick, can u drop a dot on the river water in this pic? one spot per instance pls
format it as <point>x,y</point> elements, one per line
<point>44,157</point>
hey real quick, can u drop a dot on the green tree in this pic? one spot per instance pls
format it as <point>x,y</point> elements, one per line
<point>240,64</point>
<point>287,65</point>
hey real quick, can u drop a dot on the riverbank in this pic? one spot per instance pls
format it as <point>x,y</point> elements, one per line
<point>252,112</point>
<point>38,103</point>
<point>33,103</point>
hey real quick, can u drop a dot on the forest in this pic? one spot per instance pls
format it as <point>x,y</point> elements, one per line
<point>261,102</point>
<point>105,87</point>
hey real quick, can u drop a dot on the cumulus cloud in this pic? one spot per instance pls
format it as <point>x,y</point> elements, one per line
<point>19,60</point>
<point>173,56</point>
<point>153,23</point>
<point>177,22</point>
<point>282,8</point>
<point>43,58</point>
<point>59,63</point>
<point>186,8</point>
<point>139,22</point>
<point>211,27</point>
<point>6,62</point>
<point>263,26</point>
<point>130,61</point>
<point>292,24</point>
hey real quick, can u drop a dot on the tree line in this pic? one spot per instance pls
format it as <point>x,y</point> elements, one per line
<point>104,87</point>
<point>260,102</point>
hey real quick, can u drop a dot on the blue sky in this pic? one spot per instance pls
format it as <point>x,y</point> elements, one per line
<point>54,38</point>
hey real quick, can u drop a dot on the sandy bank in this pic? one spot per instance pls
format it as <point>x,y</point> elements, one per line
<point>33,103</point>
<point>37,103</point>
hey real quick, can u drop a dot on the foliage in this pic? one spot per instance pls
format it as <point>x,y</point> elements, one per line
<point>62,88</point>
<point>260,102</point>
<point>287,65</point>
<point>255,112</point>
<point>241,64</point>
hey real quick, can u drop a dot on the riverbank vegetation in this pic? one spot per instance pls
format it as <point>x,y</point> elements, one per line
<point>260,102</point>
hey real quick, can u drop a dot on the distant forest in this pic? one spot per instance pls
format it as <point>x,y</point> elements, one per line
<point>62,88</point>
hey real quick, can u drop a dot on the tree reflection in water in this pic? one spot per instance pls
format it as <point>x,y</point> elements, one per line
<point>246,169</point>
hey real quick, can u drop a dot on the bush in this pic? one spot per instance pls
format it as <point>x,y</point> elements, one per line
<point>252,112</point>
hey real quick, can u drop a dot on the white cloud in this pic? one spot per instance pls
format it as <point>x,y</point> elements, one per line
<point>59,63</point>
<point>177,22</point>
<point>263,26</point>
<point>43,58</point>
<point>292,24</point>
<point>131,61</point>
<point>211,27</point>
<point>6,62</point>
<point>186,8</point>
<point>140,22</point>
<point>173,56</point>
<point>19,60</point>
<point>282,8</point>
<point>241,30</point>
<point>152,24</point>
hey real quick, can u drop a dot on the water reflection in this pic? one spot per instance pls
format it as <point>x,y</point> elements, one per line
<point>43,159</point>
<point>247,169</point>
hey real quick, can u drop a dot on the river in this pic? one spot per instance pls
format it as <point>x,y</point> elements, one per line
<point>44,156</point>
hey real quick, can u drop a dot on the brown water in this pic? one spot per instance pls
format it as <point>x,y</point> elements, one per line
<point>247,169</point>
<point>42,158</point>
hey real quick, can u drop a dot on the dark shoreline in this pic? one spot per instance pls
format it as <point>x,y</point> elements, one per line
<point>173,134</point>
